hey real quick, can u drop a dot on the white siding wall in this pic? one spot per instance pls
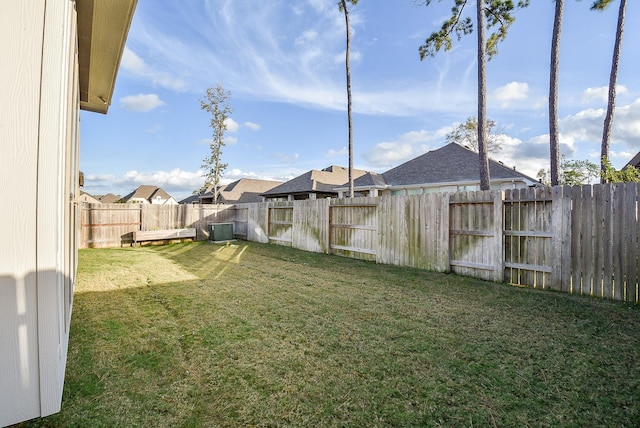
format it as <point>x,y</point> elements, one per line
<point>38,160</point>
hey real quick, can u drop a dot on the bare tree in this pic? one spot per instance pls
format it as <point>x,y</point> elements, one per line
<point>466,134</point>
<point>554,136</point>
<point>216,102</point>
<point>342,4</point>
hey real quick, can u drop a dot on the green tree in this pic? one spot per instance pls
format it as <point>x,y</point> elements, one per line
<point>625,175</point>
<point>572,173</point>
<point>554,135</point>
<point>466,134</point>
<point>216,103</point>
<point>613,78</point>
<point>499,16</point>
<point>342,4</point>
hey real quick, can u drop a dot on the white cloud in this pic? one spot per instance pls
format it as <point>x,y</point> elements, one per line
<point>626,124</point>
<point>513,91</point>
<point>141,102</point>
<point>232,125</point>
<point>601,94</point>
<point>174,181</point>
<point>337,153</point>
<point>133,63</point>
<point>252,126</point>
<point>389,153</point>
<point>407,146</point>
<point>586,125</point>
<point>246,46</point>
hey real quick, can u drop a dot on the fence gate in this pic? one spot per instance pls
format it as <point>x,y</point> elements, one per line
<point>241,221</point>
<point>280,223</point>
<point>475,234</point>
<point>528,237</point>
<point>353,228</point>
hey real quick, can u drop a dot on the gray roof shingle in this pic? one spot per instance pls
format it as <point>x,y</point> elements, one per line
<point>315,181</point>
<point>448,164</point>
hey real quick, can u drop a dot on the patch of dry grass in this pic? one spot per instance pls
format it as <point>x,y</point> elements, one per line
<point>256,335</point>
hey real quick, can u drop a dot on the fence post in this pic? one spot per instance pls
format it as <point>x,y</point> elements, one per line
<point>443,233</point>
<point>557,211</point>
<point>498,229</point>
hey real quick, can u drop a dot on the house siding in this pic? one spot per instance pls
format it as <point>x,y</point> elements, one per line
<point>38,163</point>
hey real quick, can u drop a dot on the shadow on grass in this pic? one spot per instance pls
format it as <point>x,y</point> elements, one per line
<point>250,334</point>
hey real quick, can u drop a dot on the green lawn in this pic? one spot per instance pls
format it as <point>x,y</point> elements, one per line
<point>254,335</point>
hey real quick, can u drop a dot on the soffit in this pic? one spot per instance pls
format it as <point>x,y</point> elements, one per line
<point>103,26</point>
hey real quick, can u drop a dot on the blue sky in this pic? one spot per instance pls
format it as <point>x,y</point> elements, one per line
<point>283,62</point>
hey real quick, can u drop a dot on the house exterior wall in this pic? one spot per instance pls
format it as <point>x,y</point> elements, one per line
<point>39,168</point>
<point>453,187</point>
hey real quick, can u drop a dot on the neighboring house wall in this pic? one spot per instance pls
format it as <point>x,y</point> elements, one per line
<point>87,198</point>
<point>451,168</point>
<point>457,187</point>
<point>158,200</point>
<point>40,95</point>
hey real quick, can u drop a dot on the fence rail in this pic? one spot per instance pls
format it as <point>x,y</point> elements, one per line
<point>583,240</point>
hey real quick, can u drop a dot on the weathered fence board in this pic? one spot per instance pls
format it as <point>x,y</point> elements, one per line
<point>582,239</point>
<point>528,237</point>
<point>631,231</point>
<point>310,231</point>
<point>258,222</point>
<point>474,237</point>
<point>280,224</point>
<point>617,210</point>
<point>353,228</point>
<point>108,225</point>
<point>413,231</point>
<point>241,221</point>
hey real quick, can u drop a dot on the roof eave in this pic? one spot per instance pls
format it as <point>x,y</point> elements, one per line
<point>103,26</point>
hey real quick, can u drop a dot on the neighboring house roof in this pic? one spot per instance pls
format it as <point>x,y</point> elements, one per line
<point>109,198</point>
<point>241,191</point>
<point>193,199</point>
<point>635,161</point>
<point>247,190</point>
<point>148,193</point>
<point>314,181</point>
<point>452,163</point>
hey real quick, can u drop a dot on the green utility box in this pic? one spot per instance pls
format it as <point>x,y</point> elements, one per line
<point>221,232</point>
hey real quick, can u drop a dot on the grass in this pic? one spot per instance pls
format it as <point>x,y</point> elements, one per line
<point>254,335</point>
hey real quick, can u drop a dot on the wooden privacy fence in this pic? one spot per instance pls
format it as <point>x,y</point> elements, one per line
<point>583,239</point>
<point>112,225</point>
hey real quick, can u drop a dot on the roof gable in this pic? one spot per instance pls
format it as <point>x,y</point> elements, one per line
<point>148,193</point>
